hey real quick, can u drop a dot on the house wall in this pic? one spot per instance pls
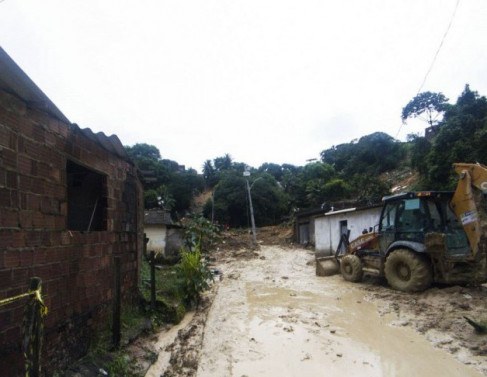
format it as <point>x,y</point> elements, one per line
<point>76,267</point>
<point>157,238</point>
<point>163,240</point>
<point>174,242</point>
<point>327,228</point>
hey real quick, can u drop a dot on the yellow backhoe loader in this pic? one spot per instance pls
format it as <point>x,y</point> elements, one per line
<point>424,237</point>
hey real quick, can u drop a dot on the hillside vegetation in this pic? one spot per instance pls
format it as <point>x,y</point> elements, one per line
<point>361,171</point>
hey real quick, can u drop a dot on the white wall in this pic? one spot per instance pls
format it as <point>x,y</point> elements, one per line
<point>327,228</point>
<point>157,238</point>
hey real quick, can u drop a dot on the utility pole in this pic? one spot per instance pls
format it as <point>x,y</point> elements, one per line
<point>254,237</point>
<point>249,187</point>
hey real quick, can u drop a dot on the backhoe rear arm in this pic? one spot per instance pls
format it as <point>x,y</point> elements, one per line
<point>467,200</point>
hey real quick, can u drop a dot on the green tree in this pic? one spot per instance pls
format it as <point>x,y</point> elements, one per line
<point>231,200</point>
<point>151,199</point>
<point>313,181</point>
<point>420,148</point>
<point>183,187</point>
<point>461,138</point>
<point>269,200</point>
<point>223,163</point>
<point>209,174</point>
<point>294,186</point>
<point>371,154</point>
<point>336,189</point>
<point>273,169</point>
<point>368,189</point>
<point>143,150</point>
<point>170,181</point>
<point>427,106</point>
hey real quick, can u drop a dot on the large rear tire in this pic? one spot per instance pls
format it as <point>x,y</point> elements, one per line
<point>407,271</point>
<point>351,268</point>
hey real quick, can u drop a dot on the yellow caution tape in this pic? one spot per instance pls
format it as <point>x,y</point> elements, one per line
<point>36,294</point>
<point>38,297</point>
<point>9,300</point>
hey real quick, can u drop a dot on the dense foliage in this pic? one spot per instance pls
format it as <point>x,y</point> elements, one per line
<point>167,184</point>
<point>192,270</point>
<point>229,204</point>
<point>460,137</point>
<point>372,154</point>
<point>199,232</point>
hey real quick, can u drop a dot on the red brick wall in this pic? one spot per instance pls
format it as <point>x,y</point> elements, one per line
<point>76,267</point>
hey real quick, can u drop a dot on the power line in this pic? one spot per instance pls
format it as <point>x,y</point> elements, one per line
<point>435,56</point>
<point>440,46</point>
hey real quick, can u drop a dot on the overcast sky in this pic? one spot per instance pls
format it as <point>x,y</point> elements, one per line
<point>266,81</point>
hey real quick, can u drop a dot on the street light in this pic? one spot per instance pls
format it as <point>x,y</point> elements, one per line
<point>249,187</point>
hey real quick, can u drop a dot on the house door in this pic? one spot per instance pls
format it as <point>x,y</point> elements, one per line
<point>304,234</point>
<point>343,227</point>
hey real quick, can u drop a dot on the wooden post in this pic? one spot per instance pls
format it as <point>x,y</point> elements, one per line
<point>152,280</point>
<point>117,306</point>
<point>32,332</point>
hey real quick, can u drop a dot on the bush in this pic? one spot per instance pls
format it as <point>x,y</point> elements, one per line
<point>200,233</point>
<point>194,275</point>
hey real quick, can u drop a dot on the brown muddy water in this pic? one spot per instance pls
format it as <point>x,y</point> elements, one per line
<point>273,317</point>
<point>164,339</point>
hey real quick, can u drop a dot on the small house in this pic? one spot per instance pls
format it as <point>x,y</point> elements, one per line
<point>164,237</point>
<point>322,228</point>
<point>329,227</point>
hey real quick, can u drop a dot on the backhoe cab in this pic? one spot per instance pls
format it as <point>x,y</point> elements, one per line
<point>426,236</point>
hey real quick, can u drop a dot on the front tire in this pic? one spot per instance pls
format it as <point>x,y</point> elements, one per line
<point>351,268</point>
<point>407,271</point>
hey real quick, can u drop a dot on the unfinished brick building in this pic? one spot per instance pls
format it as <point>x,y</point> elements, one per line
<point>70,202</point>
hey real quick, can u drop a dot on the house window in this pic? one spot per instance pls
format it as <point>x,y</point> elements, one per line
<point>87,198</point>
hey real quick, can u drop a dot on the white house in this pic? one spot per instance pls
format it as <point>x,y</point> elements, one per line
<point>329,227</point>
<point>165,238</point>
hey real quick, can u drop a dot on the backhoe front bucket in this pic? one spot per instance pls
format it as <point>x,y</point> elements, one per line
<point>327,266</point>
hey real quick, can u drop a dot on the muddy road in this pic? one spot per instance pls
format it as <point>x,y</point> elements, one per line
<point>271,316</point>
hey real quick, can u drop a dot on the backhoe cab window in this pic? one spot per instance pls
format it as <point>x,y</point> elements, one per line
<point>389,217</point>
<point>404,216</point>
<point>411,216</point>
<point>412,204</point>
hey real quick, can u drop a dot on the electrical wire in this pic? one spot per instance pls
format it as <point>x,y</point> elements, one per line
<point>435,56</point>
<point>440,46</point>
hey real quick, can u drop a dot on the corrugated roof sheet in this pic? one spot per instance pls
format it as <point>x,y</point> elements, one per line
<point>110,143</point>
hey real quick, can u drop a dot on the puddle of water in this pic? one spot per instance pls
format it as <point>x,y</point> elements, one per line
<point>339,335</point>
<point>289,335</point>
<point>163,340</point>
<point>262,296</point>
<point>402,351</point>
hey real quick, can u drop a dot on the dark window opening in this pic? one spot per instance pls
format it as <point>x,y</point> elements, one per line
<point>87,198</point>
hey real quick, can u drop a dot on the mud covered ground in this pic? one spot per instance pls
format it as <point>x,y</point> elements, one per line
<point>270,315</point>
<point>439,315</point>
